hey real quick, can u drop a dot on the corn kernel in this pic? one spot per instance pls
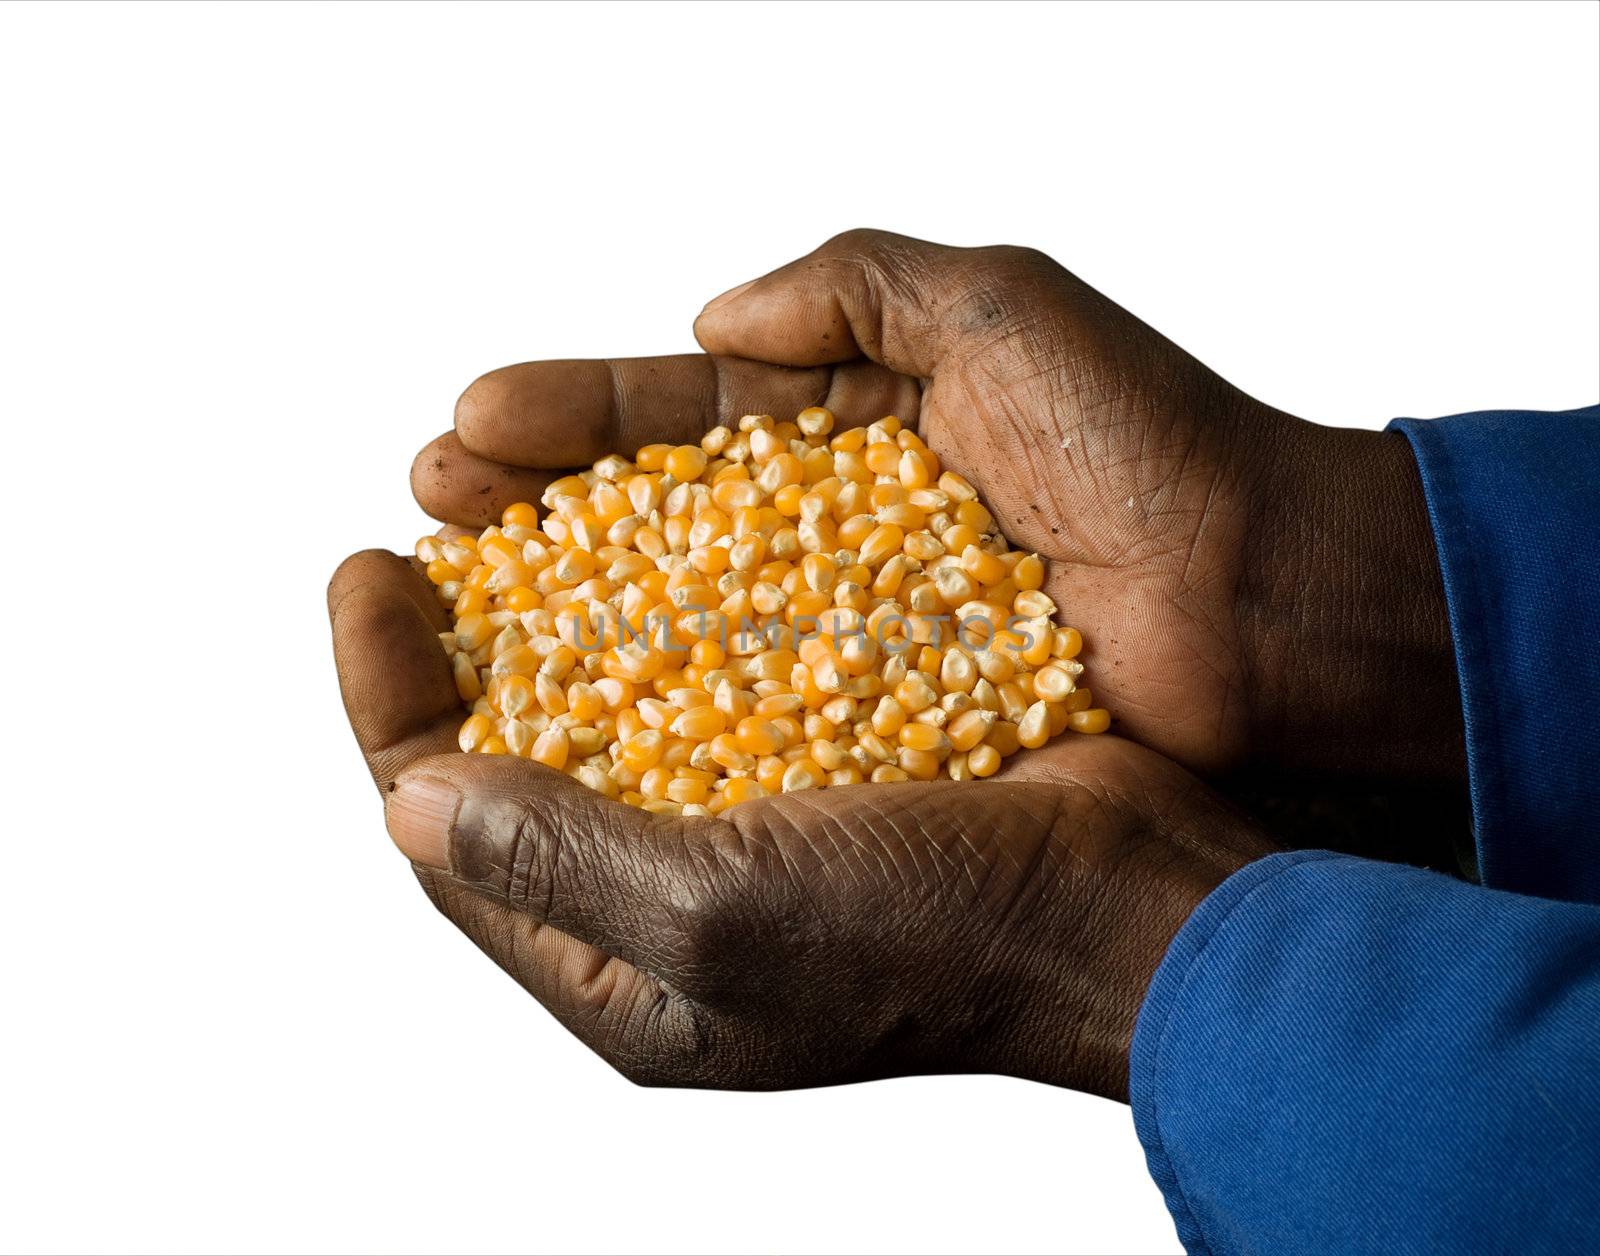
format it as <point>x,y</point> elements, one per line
<point>1094,720</point>
<point>772,609</point>
<point>551,748</point>
<point>983,761</point>
<point>685,463</point>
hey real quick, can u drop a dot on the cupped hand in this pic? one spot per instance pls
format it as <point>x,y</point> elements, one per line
<point>1009,925</point>
<point>1255,591</point>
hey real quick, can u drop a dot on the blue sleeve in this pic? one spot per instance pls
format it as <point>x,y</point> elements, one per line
<point>1343,1056</point>
<point>1514,497</point>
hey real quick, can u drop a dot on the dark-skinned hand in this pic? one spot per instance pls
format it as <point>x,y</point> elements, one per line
<point>1254,589</point>
<point>1259,594</point>
<point>1010,925</point>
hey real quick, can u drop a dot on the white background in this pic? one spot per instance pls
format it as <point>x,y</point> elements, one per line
<point>249,256</point>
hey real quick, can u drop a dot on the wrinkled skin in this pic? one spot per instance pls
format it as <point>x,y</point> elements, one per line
<point>1009,925</point>
<point>1271,585</point>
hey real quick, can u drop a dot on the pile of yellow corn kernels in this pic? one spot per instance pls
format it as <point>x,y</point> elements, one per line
<point>770,610</point>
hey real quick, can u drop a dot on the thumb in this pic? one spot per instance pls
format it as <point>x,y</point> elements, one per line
<point>904,303</point>
<point>545,845</point>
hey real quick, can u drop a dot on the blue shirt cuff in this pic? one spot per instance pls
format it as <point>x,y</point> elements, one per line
<point>1514,498</point>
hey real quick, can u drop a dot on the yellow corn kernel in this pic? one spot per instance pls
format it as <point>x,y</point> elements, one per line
<point>441,572</point>
<point>1033,604</point>
<point>643,750</point>
<point>1003,737</point>
<point>585,741</point>
<point>654,457</point>
<point>701,723</point>
<point>653,784</point>
<point>1033,729</point>
<point>741,790</point>
<point>780,607</point>
<point>983,761</point>
<point>685,463</point>
<point>758,736</point>
<point>474,732</point>
<point>465,675</point>
<point>970,727</point>
<point>982,565</point>
<point>514,694</point>
<point>915,469</point>
<point>1094,720</point>
<point>522,599</point>
<point>551,748</point>
<point>827,755</point>
<point>584,700</point>
<point>915,694</point>
<point>1079,700</point>
<point>1028,572</point>
<point>923,738</point>
<point>471,602</point>
<point>888,717</point>
<point>1053,684</point>
<point>815,421</point>
<point>804,774</point>
<point>687,790</point>
<point>884,539</point>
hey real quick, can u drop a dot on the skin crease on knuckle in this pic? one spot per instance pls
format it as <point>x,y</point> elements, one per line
<point>1008,925</point>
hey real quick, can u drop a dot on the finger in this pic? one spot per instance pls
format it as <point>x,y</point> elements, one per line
<point>393,673</point>
<point>631,883</point>
<point>901,302</point>
<point>457,486</point>
<point>377,564</point>
<point>588,991</point>
<point>568,414</point>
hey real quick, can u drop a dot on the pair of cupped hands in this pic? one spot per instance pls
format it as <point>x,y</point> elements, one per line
<point>1262,609</point>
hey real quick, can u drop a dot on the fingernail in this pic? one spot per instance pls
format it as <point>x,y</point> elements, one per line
<point>727,296</point>
<point>420,813</point>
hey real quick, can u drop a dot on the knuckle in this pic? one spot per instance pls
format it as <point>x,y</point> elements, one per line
<point>704,937</point>
<point>1001,288</point>
<point>857,240</point>
<point>1017,260</point>
<point>497,848</point>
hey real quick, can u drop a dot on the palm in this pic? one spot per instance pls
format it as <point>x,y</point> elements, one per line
<point>1151,585</point>
<point>1095,442</point>
<point>846,876</point>
<point>1130,499</point>
<point>775,996</point>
